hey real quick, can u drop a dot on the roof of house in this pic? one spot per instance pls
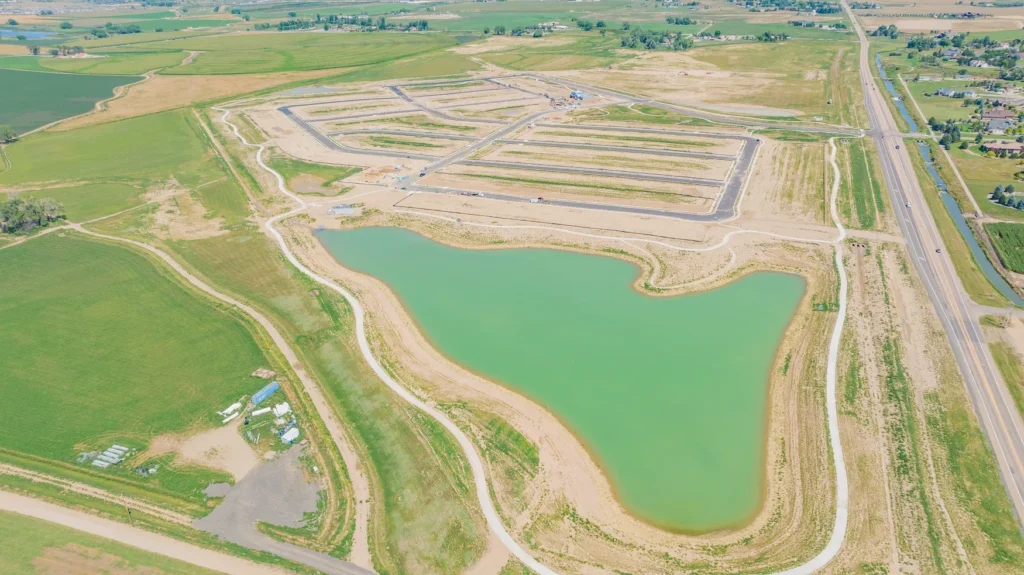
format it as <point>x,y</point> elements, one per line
<point>998,113</point>
<point>1008,146</point>
<point>1000,125</point>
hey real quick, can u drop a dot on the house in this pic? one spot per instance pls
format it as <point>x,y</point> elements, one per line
<point>1008,147</point>
<point>951,53</point>
<point>980,64</point>
<point>998,114</point>
<point>999,126</point>
<point>341,210</point>
<point>954,93</point>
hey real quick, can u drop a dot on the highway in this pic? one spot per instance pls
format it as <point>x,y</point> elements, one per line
<point>992,402</point>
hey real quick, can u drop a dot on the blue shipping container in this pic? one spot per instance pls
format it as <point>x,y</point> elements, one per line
<point>264,393</point>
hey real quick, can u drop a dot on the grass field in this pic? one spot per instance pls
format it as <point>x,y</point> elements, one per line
<point>982,175</point>
<point>39,99</point>
<point>1010,367</point>
<point>276,52</point>
<point>106,64</point>
<point>325,176</point>
<point>1008,240</point>
<point>861,202</point>
<point>939,107</point>
<point>637,113</point>
<point>33,546</point>
<point>585,51</point>
<point>109,350</point>
<point>89,201</point>
<point>806,75</point>
<point>432,64</point>
<point>145,149</point>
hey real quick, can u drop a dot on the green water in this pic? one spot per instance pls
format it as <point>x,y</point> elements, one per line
<point>669,394</point>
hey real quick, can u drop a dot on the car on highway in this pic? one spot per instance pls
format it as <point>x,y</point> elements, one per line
<point>908,204</point>
<point>938,250</point>
<point>422,174</point>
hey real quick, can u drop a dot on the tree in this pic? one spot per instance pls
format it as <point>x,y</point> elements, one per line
<point>600,24</point>
<point>23,216</point>
<point>291,14</point>
<point>65,25</point>
<point>487,31</point>
<point>326,26</point>
<point>625,25</point>
<point>964,145</point>
<point>34,50</point>
<point>1010,189</point>
<point>539,34</point>
<point>54,52</point>
<point>7,134</point>
<point>499,30</point>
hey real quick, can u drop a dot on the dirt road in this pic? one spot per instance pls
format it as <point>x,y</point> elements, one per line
<point>152,542</point>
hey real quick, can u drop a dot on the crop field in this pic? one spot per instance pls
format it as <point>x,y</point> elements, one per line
<point>39,99</point>
<point>862,202</point>
<point>106,336</point>
<point>273,52</point>
<point>33,546</point>
<point>89,201</point>
<point>126,151</point>
<point>1008,240</point>
<point>106,64</point>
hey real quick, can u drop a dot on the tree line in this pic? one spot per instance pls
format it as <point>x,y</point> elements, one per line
<point>19,216</point>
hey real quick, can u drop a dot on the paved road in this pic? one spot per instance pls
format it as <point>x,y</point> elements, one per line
<point>624,149</point>
<point>401,94</point>
<point>330,143</point>
<point>133,536</point>
<point>995,408</point>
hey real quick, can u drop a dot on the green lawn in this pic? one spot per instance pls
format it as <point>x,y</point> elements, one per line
<point>982,175</point>
<point>110,349</point>
<point>939,107</point>
<point>43,98</point>
<point>118,63</point>
<point>32,546</point>
<point>280,52</point>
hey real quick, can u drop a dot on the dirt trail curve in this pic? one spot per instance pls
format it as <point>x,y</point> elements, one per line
<point>361,487</point>
<point>128,535</point>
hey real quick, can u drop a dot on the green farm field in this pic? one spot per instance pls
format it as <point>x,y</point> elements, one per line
<point>32,546</point>
<point>110,350</point>
<point>39,99</point>
<point>276,52</point>
<point>1008,240</point>
<point>119,63</point>
<point>862,201</point>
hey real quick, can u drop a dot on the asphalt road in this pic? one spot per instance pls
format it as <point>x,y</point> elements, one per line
<point>992,402</point>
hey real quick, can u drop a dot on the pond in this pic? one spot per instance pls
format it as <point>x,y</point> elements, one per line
<point>669,394</point>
